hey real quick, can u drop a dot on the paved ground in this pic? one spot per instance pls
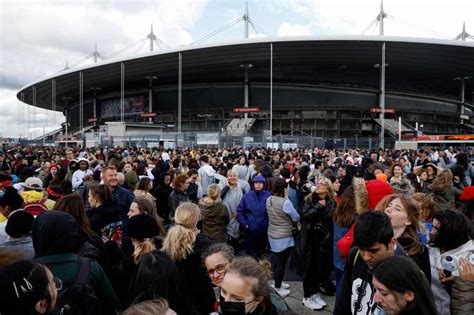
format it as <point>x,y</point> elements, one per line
<point>294,300</point>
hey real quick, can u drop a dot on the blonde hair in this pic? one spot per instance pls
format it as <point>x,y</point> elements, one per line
<point>158,306</point>
<point>179,241</point>
<point>330,190</point>
<point>214,191</point>
<point>443,180</point>
<point>146,247</point>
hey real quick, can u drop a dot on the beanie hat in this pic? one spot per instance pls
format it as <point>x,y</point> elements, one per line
<point>142,226</point>
<point>376,190</point>
<point>23,284</point>
<point>19,224</point>
<point>258,179</point>
<point>467,194</point>
<point>53,166</point>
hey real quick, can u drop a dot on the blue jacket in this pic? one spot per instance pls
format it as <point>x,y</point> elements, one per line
<point>252,210</point>
<point>339,233</point>
<point>122,199</point>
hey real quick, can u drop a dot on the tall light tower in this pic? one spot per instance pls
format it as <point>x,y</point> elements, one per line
<point>380,18</point>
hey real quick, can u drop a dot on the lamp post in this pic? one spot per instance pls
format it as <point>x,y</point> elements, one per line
<point>150,79</point>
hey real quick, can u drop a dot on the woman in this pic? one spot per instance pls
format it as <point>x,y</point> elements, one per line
<point>178,196</point>
<point>144,187</point>
<point>28,287</point>
<point>162,193</point>
<point>401,287</point>
<point>156,306</point>
<point>450,236</point>
<point>131,177</point>
<point>353,202</point>
<point>143,205</point>
<point>156,276</point>
<point>103,210</point>
<point>245,288</point>
<point>215,215</point>
<point>404,214</point>
<point>445,191</point>
<point>427,210</point>
<point>52,171</point>
<point>282,216</point>
<point>396,173</point>
<point>316,218</point>
<point>185,245</point>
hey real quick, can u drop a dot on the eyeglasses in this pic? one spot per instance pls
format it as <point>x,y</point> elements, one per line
<point>58,283</point>
<point>220,269</point>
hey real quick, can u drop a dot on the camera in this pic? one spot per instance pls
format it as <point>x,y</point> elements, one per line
<point>451,263</point>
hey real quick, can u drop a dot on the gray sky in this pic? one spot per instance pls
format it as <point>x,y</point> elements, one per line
<point>37,37</point>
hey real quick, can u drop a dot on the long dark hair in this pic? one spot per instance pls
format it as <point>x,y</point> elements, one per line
<point>74,205</point>
<point>156,276</point>
<point>453,231</point>
<point>400,274</point>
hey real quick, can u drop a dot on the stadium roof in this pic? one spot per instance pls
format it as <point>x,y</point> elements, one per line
<point>420,66</point>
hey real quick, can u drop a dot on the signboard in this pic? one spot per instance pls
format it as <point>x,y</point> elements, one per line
<point>379,110</point>
<point>465,117</point>
<point>152,144</point>
<point>132,106</point>
<point>211,138</point>
<point>147,115</point>
<point>460,137</point>
<point>246,110</point>
<point>248,139</point>
<point>93,119</point>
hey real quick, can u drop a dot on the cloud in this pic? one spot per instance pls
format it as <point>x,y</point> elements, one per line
<point>287,29</point>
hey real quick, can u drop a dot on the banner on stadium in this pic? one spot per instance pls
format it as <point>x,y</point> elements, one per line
<point>246,110</point>
<point>379,110</point>
<point>210,138</point>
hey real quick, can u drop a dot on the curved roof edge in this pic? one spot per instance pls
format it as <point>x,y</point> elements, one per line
<point>260,40</point>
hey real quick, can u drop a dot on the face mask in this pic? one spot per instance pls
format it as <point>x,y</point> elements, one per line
<point>232,308</point>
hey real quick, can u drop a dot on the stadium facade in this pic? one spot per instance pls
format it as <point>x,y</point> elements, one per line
<point>327,87</point>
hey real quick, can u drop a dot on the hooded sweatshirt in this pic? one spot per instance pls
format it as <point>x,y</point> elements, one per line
<point>77,177</point>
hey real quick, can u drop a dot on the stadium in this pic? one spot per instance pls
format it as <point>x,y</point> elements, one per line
<point>330,87</point>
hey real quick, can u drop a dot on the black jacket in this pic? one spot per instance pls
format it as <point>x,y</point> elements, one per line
<point>357,292</point>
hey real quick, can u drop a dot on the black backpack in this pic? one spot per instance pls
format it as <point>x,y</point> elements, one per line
<point>79,297</point>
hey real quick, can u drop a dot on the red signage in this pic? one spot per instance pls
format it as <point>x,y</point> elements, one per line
<point>147,115</point>
<point>246,110</point>
<point>379,110</point>
<point>92,119</point>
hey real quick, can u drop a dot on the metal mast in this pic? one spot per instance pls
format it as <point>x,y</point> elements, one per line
<point>246,20</point>
<point>151,37</point>
<point>464,35</point>
<point>382,80</point>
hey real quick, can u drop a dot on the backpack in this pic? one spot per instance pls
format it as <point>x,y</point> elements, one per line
<point>79,297</point>
<point>35,208</point>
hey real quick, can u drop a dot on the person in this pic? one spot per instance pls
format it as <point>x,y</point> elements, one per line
<point>131,177</point>
<point>444,191</point>
<point>353,202</point>
<point>157,306</point>
<point>316,219</point>
<point>374,241</point>
<point>206,173</point>
<point>178,196</point>
<point>215,216</point>
<point>82,175</point>
<point>143,205</point>
<point>28,287</point>
<point>18,229</point>
<point>253,218</point>
<point>185,245</point>
<point>404,214</point>
<point>52,171</point>
<point>145,185</point>
<point>57,238</point>
<point>245,288</point>
<point>427,210</point>
<point>156,276</point>
<point>450,236</point>
<point>10,202</point>
<point>402,288</point>
<point>396,173</point>
<point>231,194</point>
<point>121,197</point>
<point>281,215</point>
<point>161,192</point>
<point>102,211</point>
<point>216,259</point>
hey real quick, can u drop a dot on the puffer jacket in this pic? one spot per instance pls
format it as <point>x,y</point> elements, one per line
<point>252,210</point>
<point>446,199</point>
<point>215,218</point>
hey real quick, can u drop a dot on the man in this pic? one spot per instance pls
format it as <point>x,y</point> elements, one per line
<point>206,173</point>
<point>121,196</point>
<point>69,157</point>
<point>374,240</point>
<point>253,218</point>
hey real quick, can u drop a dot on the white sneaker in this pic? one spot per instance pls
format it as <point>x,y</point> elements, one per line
<point>312,304</point>
<point>317,298</point>
<point>283,292</point>
<point>284,285</point>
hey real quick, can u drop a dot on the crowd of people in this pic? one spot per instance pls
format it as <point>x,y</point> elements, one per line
<point>212,231</point>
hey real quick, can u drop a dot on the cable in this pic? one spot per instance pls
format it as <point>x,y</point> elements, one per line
<point>370,26</point>
<point>256,28</point>
<point>217,31</point>
<point>434,33</point>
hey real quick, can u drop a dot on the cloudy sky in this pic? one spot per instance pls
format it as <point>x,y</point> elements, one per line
<point>38,37</point>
